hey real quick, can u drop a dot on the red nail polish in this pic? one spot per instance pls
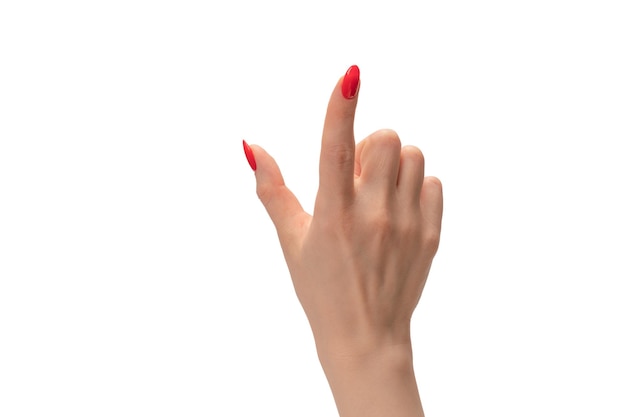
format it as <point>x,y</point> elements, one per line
<point>350,83</point>
<point>249,155</point>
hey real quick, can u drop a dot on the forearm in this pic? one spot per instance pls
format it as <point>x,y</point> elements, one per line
<point>379,384</point>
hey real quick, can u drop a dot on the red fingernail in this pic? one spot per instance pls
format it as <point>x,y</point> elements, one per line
<point>249,155</point>
<point>350,82</point>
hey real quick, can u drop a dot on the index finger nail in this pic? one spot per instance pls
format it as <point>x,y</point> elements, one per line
<point>350,82</point>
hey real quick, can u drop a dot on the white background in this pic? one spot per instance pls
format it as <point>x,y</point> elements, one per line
<point>140,275</point>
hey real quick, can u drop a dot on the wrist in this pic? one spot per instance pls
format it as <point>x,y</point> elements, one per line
<point>392,357</point>
<point>374,383</point>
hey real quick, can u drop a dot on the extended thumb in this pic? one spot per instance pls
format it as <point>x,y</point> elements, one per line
<point>281,204</point>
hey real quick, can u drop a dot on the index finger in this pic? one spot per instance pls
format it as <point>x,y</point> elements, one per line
<point>337,155</point>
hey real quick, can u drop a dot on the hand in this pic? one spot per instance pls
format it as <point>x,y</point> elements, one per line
<point>359,264</point>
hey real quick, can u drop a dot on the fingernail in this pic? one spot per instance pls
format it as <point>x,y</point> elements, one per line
<point>350,82</point>
<point>249,155</point>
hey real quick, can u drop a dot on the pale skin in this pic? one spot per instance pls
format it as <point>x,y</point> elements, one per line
<point>360,262</point>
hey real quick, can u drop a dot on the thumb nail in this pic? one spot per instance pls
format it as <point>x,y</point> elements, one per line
<point>249,155</point>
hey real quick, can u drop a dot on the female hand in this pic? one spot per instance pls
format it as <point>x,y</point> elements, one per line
<point>360,262</point>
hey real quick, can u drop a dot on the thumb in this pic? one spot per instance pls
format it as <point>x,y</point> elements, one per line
<point>281,204</point>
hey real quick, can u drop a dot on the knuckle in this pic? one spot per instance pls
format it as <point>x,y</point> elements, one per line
<point>435,183</point>
<point>431,239</point>
<point>381,225</point>
<point>264,192</point>
<point>387,139</point>
<point>340,154</point>
<point>382,222</point>
<point>413,153</point>
<point>339,225</point>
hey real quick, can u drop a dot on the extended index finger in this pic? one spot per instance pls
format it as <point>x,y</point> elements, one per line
<point>337,155</point>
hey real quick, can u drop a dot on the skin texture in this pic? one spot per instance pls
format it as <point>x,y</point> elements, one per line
<point>360,263</point>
